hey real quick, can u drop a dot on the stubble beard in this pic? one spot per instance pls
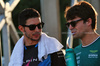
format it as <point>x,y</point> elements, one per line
<point>32,38</point>
<point>79,36</point>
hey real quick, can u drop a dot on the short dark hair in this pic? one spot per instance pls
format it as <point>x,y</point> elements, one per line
<point>26,14</point>
<point>83,10</point>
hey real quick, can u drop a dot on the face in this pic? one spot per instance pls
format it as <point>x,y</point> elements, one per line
<point>79,28</point>
<point>33,34</point>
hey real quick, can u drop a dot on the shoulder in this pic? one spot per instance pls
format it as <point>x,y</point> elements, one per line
<point>98,40</point>
<point>58,59</point>
<point>58,53</point>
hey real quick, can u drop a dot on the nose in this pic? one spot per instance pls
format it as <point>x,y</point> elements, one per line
<point>36,29</point>
<point>70,27</point>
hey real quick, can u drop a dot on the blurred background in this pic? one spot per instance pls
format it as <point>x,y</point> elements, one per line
<point>52,14</point>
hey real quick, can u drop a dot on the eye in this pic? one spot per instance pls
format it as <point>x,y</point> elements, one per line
<point>73,23</point>
<point>31,26</point>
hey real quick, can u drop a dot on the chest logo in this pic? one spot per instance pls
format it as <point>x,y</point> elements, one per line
<point>93,54</point>
<point>93,51</point>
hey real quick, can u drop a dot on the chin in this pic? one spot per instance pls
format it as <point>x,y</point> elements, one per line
<point>36,39</point>
<point>75,37</point>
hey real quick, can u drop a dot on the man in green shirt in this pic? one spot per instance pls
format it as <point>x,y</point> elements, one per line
<point>81,20</point>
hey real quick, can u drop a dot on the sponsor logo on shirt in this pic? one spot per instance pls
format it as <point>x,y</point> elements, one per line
<point>93,51</point>
<point>31,60</point>
<point>93,54</point>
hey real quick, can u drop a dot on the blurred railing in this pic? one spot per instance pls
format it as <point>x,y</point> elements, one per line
<point>7,29</point>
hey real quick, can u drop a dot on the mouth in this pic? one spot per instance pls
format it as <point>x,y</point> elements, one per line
<point>36,34</point>
<point>73,33</point>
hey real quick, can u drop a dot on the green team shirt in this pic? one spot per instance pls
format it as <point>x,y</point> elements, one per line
<point>88,56</point>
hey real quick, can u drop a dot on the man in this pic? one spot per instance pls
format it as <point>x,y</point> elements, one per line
<point>35,48</point>
<point>81,20</point>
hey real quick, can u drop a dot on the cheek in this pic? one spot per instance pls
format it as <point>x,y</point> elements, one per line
<point>82,29</point>
<point>27,31</point>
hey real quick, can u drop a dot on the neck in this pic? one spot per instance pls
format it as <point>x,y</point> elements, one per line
<point>89,38</point>
<point>29,42</point>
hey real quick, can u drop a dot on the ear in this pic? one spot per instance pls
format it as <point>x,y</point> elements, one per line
<point>89,21</point>
<point>21,28</point>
